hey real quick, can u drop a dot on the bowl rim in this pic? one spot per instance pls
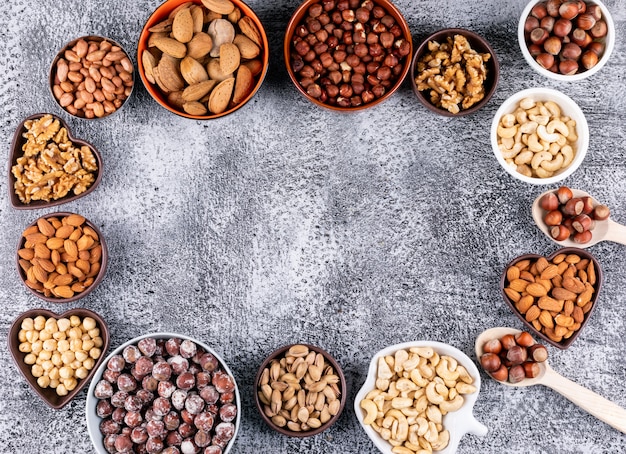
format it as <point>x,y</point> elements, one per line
<point>342,380</point>
<point>295,19</point>
<point>457,423</point>
<point>566,104</point>
<point>159,14</point>
<point>16,145</point>
<point>48,395</point>
<point>609,43</point>
<point>493,62</point>
<point>565,344</point>
<point>97,279</point>
<point>93,428</point>
<point>52,73</point>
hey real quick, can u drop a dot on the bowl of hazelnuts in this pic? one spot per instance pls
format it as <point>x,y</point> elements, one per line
<point>566,40</point>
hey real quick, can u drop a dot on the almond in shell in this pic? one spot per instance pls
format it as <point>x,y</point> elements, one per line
<point>182,26</point>
<point>168,71</point>
<point>244,84</point>
<point>198,18</point>
<point>149,62</point>
<point>249,28</point>
<point>171,47</point>
<point>194,108</point>
<point>215,70</point>
<point>219,6</point>
<point>255,66</point>
<point>199,46</point>
<point>220,96</point>
<point>175,99</point>
<point>247,48</point>
<point>192,71</point>
<point>162,27</point>
<point>195,92</point>
<point>229,58</point>
<point>180,7</point>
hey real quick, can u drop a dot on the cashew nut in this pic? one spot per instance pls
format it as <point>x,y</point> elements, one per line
<point>528,127</point>
<point>553,108</point>
<point>533,143</point>
<point>527,103</point>
<point>370,411</point>
<point>384,371</point>
<point>434,414</point>
<point>540,119</point>
<point>416,377</point>
<point>402,432</point>
<point>543,134</point>
<point>465,388</point>
<point>405,385</point>
<point>401,402</point>
<point>524,157</point>
<point>525,170</point>
<point>442,441</point>
<point>568,155</point>
<point>432,433</point>
<point>521,116</point>
<point>401,450</point>
<point>555,164</point>
<point>571,125</point>
<point>558,126</point>
<point>507,142</point>
<point>400,357</point>
<point>508,120</point>
<point>432,395</point>
<point>543,173</point>
<point>538,158</point>
<point>510,153</point>
<point>451,405</point>
<point>444,372</point>
<point>506,132</point>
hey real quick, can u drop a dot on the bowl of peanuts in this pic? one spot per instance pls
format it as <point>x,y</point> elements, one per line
<point>91,77</point>
<point>347,55</point>
<point>48,166</point>
<point>539,136</point>
<point>300,390</point>
<point>566,40</point>
<point>58,354</point>
<point>432,388</point>
<point>61,257</point>
<point>203,59</point>
<point>555,295</point>
<point>454,72</point>
<point>163,392</point>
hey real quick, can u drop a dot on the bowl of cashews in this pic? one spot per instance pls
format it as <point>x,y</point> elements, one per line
<point>418,397</point>
<point>539,136</point>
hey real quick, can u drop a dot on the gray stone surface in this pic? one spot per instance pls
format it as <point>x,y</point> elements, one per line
<point>286,223</point>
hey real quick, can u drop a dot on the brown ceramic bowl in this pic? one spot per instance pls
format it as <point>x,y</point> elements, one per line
<point>49,395</point>
<point>97,278</point>
<point>276,355</point>
<point>583,254</point>
<point>173,103</point>
<point>477,43</point>
<point>99,103</point>
<point>16,152</point>
<point>354,92</point>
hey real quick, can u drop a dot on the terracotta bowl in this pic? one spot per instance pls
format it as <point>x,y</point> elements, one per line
<point>16,152</point>
<point>350,100</point>
<point>477,43</point>
<point>49,395</point>
<point>173,102</point>
<point>565,342</point>
<point>97,278</point>
<point>277,355</point>
<point>97,105</point>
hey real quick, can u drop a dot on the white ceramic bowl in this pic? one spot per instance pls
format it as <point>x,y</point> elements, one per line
<point>458,423</point>
<point>93,420</point>
<point>568,108</point>
<point>608,49</point>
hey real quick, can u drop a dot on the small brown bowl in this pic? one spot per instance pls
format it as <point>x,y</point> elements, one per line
<point>350,100</point>
<point>17,152</point>
<point>172,100</point>
<point>49,395</point>
<point>276,355</point>
<point>23,260</point>
<point>564,342</point>
<point>102,84</point>
<point>477,43</point>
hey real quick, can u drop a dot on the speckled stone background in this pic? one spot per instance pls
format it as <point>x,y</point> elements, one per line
<point>287,223</point>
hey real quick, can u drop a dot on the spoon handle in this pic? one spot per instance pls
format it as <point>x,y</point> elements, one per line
<point>616,232</point>
<point>598,406</point>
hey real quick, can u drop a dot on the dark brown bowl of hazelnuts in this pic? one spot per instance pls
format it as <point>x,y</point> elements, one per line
<point>347,55</point>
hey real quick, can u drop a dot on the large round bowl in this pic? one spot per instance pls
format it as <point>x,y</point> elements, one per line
<point>568,108</point>
<point>250,84</point>
<point>458,423</point>
<point>608,42</point>
<point>93,420</point>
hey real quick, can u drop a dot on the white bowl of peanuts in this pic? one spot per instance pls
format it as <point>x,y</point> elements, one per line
<point>539,136</point>
<point>432,388</point>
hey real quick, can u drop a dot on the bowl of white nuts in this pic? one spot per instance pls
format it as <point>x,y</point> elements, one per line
<point>539,136</point>
<point>432,388</point>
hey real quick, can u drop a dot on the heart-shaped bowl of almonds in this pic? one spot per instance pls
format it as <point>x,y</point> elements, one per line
<point>432,388</point>
<point>48,166</point>
<point>58,354</point>
<point>554,296</point>
<point>300,390</point>
<point>203,59</point>
<point>61,257</point>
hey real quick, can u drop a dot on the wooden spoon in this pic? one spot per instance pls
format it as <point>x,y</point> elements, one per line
<point>607,230</point>
<point>598,406</point>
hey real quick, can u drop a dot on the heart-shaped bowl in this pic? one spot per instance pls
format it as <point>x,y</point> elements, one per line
<point>458,422</point>
<point>554,309</point>
<point>17,349</point>
<point>43,257</point>
<point>127,364</point>
<point>18,163</point>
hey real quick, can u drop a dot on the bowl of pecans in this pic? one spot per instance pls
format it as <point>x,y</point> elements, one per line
<point>61,257</point>
<point>48,166</point>
<point>300,390</point>
<point>454,72</point>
